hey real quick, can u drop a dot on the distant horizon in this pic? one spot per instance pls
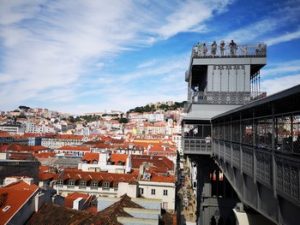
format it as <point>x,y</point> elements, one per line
<point>104,111</point>
<point>80,56</point>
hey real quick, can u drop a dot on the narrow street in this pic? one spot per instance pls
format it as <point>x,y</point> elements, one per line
<point>186,198</point>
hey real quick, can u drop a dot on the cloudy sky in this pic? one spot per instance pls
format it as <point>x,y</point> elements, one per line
<point>90,56</point>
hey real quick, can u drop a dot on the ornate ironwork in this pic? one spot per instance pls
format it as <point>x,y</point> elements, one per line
<point>229,98</point>
<point>247,160</point>
<point>263,167</point>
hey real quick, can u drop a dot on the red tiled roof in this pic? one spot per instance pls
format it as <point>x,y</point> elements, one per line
<point>69,136</point>
<point>99,176</point>
<point>75,148</point>
<point>45,173</point>
<point>160,162</point>
<point>43,168</point>
<point>160,178</point>
<point>27,135</point>
<point>14,195</point>
<point>118,158</point>
<point>44,155</point>
<point>4,134</point>
<point>46,176</point>
<point>3,148</point>
<point>20,156</point>
<point>26,148</point>
<point>91,156</point>
<point>54,214</point>
<point>103,145</point>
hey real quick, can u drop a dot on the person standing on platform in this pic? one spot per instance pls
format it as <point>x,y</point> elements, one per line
<point>233,48</point>
<point>214,48</point>
<point>204,49</point>
<point>222,48</point>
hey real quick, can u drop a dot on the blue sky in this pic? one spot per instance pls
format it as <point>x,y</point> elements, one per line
<point>90,56</point>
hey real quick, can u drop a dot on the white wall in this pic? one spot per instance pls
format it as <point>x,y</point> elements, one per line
<point>159,188</point>
<point>130,189</point>
<point>231,78</point>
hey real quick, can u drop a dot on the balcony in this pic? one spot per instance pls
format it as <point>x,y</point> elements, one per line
<point>196,145</point>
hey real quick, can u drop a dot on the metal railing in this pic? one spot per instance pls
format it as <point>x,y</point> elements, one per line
<point>195,145</point>
<point>257,163</point>
<point>207,51</point>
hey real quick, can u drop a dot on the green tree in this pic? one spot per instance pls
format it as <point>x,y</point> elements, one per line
<point>123,120</point>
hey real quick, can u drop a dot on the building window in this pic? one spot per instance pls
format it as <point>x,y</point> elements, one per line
<point>82,184</point>
<point>71,183</point>
<point>152,191</point>
<point>165,192</point>
<point>105,185</point>
<point>94,184</point>
<point>115,184</point>
<point>141,191</point>
<point>60,182</point>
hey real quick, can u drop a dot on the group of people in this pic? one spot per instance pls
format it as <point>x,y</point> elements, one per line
<point>201,49</point>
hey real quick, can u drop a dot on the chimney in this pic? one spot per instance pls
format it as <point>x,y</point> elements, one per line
<point>78,203</point>
<point>141,169</point>
<point>128,164</point>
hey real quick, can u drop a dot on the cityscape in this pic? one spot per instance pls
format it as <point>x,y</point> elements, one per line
<point>149,112</point>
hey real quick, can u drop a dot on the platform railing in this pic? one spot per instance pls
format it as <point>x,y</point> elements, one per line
<point>207,51</point>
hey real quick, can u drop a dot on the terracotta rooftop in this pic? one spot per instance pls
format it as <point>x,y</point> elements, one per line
<point>91,156</point>
<point>53,215</point>
<point>160,178</point>
<point>67,137</point>
<point>118,158</point>
<point>20,156</point>
<point>4,134</point>
<point>58,215</point>
<point>44,155</point>
<point>102,145</point>
<point>96,176</point>
<point>46,176</point>
<point>75,148</point>
<point>25,148</point>
<point>161,162</point>
<point>12,198</point>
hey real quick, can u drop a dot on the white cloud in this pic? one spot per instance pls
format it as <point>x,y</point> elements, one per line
<point>283,38</point>
<point>275,85</point>
<point>285,16</point>
<point>252,31</point>
<point>282,68</point>
<point>13,11</point>
<point>280,76</point>
<point>48,46</point>
<point>188,15</point>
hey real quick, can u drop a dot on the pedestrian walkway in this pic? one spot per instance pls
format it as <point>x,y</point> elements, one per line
<point>187,198</point>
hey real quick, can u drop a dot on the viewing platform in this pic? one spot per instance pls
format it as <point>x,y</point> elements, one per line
<point>209,51</point>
